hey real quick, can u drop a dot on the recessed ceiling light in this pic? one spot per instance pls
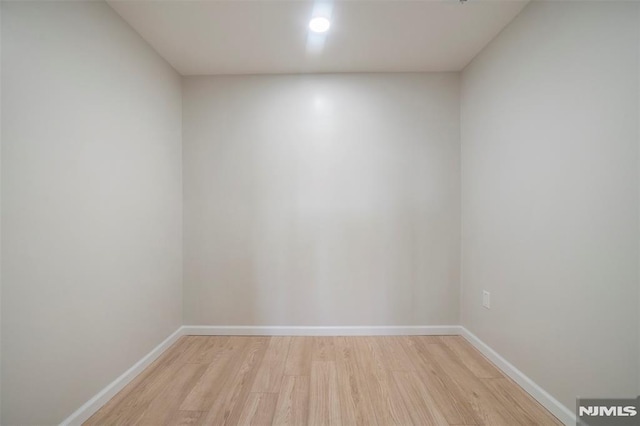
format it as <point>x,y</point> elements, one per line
<point>319,24</point>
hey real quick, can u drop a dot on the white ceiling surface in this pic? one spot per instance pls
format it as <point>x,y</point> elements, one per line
<point>200,37</point>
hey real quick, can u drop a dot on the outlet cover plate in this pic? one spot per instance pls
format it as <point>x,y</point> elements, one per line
<point>486,299</point>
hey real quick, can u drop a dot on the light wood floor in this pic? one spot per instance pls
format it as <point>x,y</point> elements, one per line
<point>382,381</point>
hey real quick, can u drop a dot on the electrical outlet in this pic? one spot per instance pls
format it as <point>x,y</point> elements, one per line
<point>486,299</point>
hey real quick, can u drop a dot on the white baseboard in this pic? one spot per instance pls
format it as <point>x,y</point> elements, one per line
<point>565,415</point>
<point>408,330</point>
<point>102,397</point>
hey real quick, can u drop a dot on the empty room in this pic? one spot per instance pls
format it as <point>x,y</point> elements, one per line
<point>319,212</point>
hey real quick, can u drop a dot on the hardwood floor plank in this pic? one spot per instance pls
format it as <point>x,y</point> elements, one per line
<point>292,408</point>
<point>393,353</point>
<point>161,409</point>
<point>471,358</point>
<point>355,403</point>
<point>210,350</point>
<point>211,383</point>
<point>123,401</point>
<point>128,406</point>
<point>269,377</point>
<point>227,408</point>
<point>192,345</point>
<point>185,418</point>
<point>419,401</point>
<point>259,409</point>
<point>296,381</point>
<point>299,357</point>
<point>483,403</point>
<point>324,400</point>
<point>428,339</point>
<point>452,402</point>
<point>323,349</point>
<point>388,407</point>
<point>526,409</point>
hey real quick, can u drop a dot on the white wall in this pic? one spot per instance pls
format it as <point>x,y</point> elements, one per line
<point>550,196</point>
<point>91,220</point>
<point>0,213</point>
<point>321,200</point>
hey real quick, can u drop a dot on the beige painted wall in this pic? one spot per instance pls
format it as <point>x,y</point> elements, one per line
<point>91,220</point>
<point>550,196</point>
<point>321,200</point>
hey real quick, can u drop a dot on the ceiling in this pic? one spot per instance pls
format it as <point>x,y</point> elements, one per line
<point>200,37</point>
